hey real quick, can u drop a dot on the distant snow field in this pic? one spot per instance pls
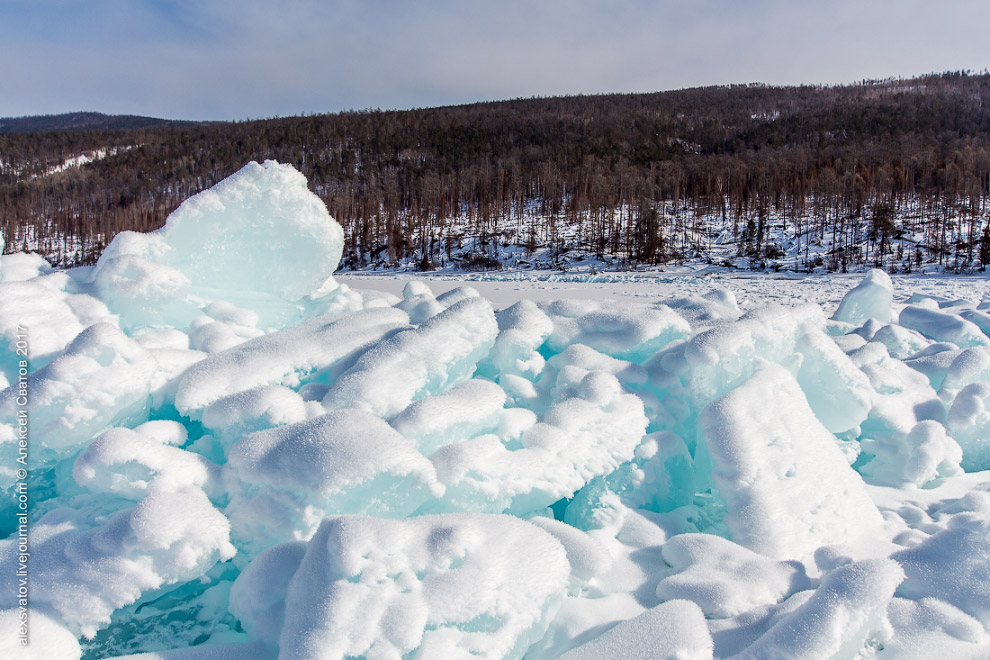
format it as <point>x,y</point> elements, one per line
<point>750,289</point>
<point>213,448</point>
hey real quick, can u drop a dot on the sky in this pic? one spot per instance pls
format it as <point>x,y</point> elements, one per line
<point>250,59</point>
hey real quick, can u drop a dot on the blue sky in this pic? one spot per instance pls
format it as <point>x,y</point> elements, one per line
<point>227,59</point>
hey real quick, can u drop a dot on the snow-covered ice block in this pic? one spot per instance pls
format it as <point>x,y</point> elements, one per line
<point>126,463</point>
<point>164,431</point>
<point>723,357</point>
<point>43,314</point>
<point>590,428</point>
<point>284,481</point>
<point>902,399</point>
<point>846,612</point>
<point>724,578</point>
<point>917,458</point>
<point>786,486</point>
<point>674,630</point>
<point>257,596</point>
<point>969,423</point>
<point>241,413</point>
<point>430,359</point>
<point>901,343</point>
<point>717,306</point>
<point>870,299</point>
<point>450,586</point>
<point>849,343</point>
<point>869,329</point>
<point>82,573</point>
<point>942,326</point>
<point>902,396</point>
<point>978,317</point>
<point>660,477</point>
<point>285,357</point>
<point>935,361</point>
<point>224,326</point>
<point>103,378</point>
<point>259,231</point>
<point>22,266</point>
<point>629,332</point>
<point>456,295</point>
<point>971,365</point>
<point>418,302</point>
<point>466,411</point>
<point>523,329</point>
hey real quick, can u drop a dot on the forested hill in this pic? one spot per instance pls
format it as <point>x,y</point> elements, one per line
<point>849,174</point>
<point>84,121</point>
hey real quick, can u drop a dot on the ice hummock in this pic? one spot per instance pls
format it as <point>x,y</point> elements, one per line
<point>435,586</point>
<point>786,487</point>
<point>259,238</point>
<point>233,456</point>
<point>870,299</point>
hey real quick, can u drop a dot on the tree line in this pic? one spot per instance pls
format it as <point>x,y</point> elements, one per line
<point>638,178</point>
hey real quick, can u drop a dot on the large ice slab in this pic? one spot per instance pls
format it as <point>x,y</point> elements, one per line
<point>723,357</point>
<point>786,486</point>
<point>259,232</point>
<point>284,481</point>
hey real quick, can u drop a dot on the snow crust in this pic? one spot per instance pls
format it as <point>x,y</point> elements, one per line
<point>673,630</point>
<point>232,455</point>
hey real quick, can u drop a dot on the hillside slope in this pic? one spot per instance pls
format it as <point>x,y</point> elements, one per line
<point>893,173</point>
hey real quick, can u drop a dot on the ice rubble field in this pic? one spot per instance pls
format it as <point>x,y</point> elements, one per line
<point>233,456</point>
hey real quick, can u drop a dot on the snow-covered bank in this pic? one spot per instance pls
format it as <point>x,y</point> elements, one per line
<point>233,454</point>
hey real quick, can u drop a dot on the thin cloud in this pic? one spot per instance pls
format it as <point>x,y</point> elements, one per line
<point>223,59</point>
